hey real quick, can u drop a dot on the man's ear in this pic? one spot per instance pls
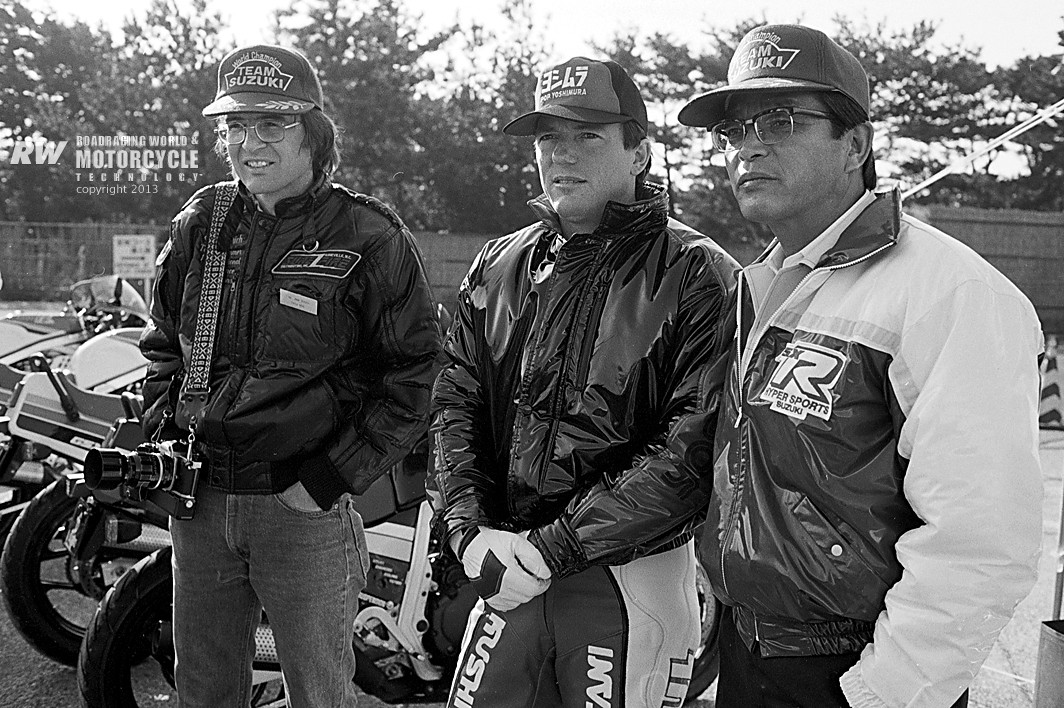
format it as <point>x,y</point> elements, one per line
<point>860,138</point>
<point>640,156</point>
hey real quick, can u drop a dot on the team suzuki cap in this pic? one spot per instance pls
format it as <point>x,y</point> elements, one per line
<point>265,79</point>
<point>780,58</point>
<point>585,90</point>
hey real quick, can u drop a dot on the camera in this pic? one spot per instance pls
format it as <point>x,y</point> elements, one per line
<point>152,473</point>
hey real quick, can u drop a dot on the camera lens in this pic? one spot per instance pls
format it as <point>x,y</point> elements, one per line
<point>104,468</point>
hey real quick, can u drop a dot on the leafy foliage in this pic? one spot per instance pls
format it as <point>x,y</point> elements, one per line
<point>422,111</point>
<point>62,81</point>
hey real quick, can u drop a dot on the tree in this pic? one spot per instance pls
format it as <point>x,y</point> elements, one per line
<point>375,70</point>
<point>68,82</point>
<point>485,178</point>
<point>1037,83</point>
<point>706,202</point>
<point>663,70</point>
<point>42,63</point>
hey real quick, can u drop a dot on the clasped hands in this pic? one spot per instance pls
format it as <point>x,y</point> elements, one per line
<point>504,567</point>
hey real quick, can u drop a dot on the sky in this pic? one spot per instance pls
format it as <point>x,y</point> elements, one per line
<point>1003,31</point>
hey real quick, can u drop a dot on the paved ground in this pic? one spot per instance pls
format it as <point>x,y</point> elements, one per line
<point>1008,677</point>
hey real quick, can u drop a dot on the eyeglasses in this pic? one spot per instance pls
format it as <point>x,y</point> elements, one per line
<point>772,126</point>
<point>269,130</point>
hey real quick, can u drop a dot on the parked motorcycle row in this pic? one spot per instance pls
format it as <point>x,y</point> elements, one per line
<point>85,572</point>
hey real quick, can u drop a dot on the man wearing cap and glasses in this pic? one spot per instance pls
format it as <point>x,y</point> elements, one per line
<point>876,508</point>
<point>320,379</point>
<point>577,345</point>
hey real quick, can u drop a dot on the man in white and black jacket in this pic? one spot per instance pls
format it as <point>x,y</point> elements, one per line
<point>876,509</point>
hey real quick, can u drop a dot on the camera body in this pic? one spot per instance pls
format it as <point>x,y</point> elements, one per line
<point>153,472</point>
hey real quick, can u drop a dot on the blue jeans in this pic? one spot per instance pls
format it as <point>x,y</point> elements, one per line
<point>241,554</point>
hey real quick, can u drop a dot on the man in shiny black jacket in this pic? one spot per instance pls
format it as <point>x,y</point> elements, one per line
<point>578,343</point>
<point>320,380</point>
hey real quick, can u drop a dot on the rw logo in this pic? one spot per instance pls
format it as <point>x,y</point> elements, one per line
<point>27,152</point>
<point>804,379</point>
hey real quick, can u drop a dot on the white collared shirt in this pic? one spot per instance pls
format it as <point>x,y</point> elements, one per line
<point>776,276</point>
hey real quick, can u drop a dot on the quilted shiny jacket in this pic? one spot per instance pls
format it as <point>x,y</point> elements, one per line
<point>323,359</point>
<point>563,380</point>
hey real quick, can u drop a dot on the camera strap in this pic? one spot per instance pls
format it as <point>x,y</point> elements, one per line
<point>197,383</point>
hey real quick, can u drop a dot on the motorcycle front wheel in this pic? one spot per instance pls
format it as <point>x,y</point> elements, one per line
<point>46,604</point>
<point>123,628</point>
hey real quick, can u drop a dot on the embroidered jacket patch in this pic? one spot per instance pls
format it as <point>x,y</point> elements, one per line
<point>323,264</point>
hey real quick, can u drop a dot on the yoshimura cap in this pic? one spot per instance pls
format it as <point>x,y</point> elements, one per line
<point>584,90</point>
<point>781,58</point>
<point>265,79</point>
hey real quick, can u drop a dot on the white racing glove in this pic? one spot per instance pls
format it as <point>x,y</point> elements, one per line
<point>506,570</point>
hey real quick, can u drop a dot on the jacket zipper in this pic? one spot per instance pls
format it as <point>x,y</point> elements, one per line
<point>552,433</point>
<point>249,342</point>
<point>583,363</point>
<point>584,311</point>
<point>527,356</point>
<point>237,286</point>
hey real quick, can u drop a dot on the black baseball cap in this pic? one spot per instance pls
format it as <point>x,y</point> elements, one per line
<point>584,90</point>
<point>265,79</point>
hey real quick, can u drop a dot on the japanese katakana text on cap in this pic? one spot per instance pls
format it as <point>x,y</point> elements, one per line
<point>584,90</point>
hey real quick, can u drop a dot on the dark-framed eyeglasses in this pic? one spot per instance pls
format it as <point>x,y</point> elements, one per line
<point>772,126</point>
<point>269,130</point>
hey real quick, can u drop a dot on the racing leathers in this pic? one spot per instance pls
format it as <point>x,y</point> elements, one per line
<point>876,474</point>
<point>324,355</point>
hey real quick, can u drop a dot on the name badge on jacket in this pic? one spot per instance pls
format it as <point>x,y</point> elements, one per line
<point>299,302</point>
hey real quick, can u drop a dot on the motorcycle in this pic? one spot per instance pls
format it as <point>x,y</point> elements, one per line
<point>51,424</point>
<point>54,417</point>
<point>95,341</point>
<point>96,305</point>
<point>406,635</point>
<point>67,547</point>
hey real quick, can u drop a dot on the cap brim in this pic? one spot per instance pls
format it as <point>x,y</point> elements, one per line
<point>707,110</point>
<point>256,103</point>
<point>526,124</point>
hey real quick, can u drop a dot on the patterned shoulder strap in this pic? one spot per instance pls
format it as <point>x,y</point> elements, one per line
<point>197,385</point>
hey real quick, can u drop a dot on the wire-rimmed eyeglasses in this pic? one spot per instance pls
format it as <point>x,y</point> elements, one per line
<point>772,126</point>
<point>269,130</point>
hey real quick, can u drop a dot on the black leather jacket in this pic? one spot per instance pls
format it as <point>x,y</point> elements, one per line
<point>323,359</point>
<point>554,410</point>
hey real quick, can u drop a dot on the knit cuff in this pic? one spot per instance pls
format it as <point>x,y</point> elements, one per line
<point>857,692</point>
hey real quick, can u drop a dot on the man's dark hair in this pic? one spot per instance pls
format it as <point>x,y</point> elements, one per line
<point>633,134</point>
<point>320,134</point>
<point>847,114</point>
<point>323,137</point>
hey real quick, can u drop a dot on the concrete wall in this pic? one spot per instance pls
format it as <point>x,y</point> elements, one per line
<point>1027,246</point>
